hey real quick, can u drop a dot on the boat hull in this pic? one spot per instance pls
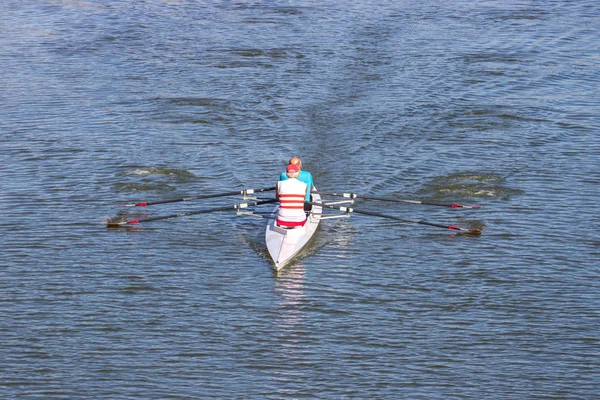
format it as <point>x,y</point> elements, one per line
<point>285,244</point>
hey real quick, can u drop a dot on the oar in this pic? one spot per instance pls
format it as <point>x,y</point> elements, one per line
<point>111,224</point>
<point>428,203</point>
<point>351,210</point>
<point>208,196</point>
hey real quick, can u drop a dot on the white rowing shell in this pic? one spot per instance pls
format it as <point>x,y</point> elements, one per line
<point>284,244</point>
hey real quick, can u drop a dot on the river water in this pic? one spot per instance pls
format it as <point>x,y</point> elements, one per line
<point>474,102</point>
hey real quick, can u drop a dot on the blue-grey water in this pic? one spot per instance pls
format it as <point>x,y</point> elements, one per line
<point>494,103</point>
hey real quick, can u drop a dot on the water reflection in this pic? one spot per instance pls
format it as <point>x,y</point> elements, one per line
<point>290,284</point>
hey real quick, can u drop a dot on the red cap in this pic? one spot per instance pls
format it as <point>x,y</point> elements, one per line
<point>293,168</point>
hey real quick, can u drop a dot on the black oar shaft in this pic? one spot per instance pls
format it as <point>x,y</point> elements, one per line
<point>428,203</point>
<point>184,214</point>
<point>375,214</point>
<point>208,196</point>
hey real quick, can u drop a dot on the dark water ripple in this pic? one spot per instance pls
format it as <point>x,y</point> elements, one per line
<point>483,102</point>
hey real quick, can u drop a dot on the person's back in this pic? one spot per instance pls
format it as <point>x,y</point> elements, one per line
<point>304,176</point>
<point>291,194</point>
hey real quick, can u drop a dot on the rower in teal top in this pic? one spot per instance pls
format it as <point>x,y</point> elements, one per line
<point>304,176</point>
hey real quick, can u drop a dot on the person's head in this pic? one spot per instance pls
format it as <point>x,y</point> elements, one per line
<point>292,171</point>
<point>296,161</point>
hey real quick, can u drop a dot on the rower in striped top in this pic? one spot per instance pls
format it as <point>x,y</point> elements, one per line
<point>291,194</point>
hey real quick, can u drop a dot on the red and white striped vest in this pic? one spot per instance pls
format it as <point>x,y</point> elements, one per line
<point>292,194</point>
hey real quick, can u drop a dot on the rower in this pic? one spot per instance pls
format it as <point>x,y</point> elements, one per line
<point>291,194</point>
<point>304,176</point>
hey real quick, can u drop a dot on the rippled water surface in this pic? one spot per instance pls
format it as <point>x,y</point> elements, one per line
<point>473,102</point>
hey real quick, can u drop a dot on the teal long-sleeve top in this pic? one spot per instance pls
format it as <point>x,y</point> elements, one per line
<point>305,177</point>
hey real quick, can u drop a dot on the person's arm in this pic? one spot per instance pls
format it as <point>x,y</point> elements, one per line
<point>277,192</point>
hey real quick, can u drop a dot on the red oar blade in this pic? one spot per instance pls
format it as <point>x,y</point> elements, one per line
<point>456,228</point>
<point>461,206</point>
<point>119,222</point>
<point>143,204</point>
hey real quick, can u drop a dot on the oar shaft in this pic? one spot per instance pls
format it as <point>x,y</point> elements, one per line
<point>374,214</point>
<point>225,208</point>
<point>208,196</point>
<point>428,203</point>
